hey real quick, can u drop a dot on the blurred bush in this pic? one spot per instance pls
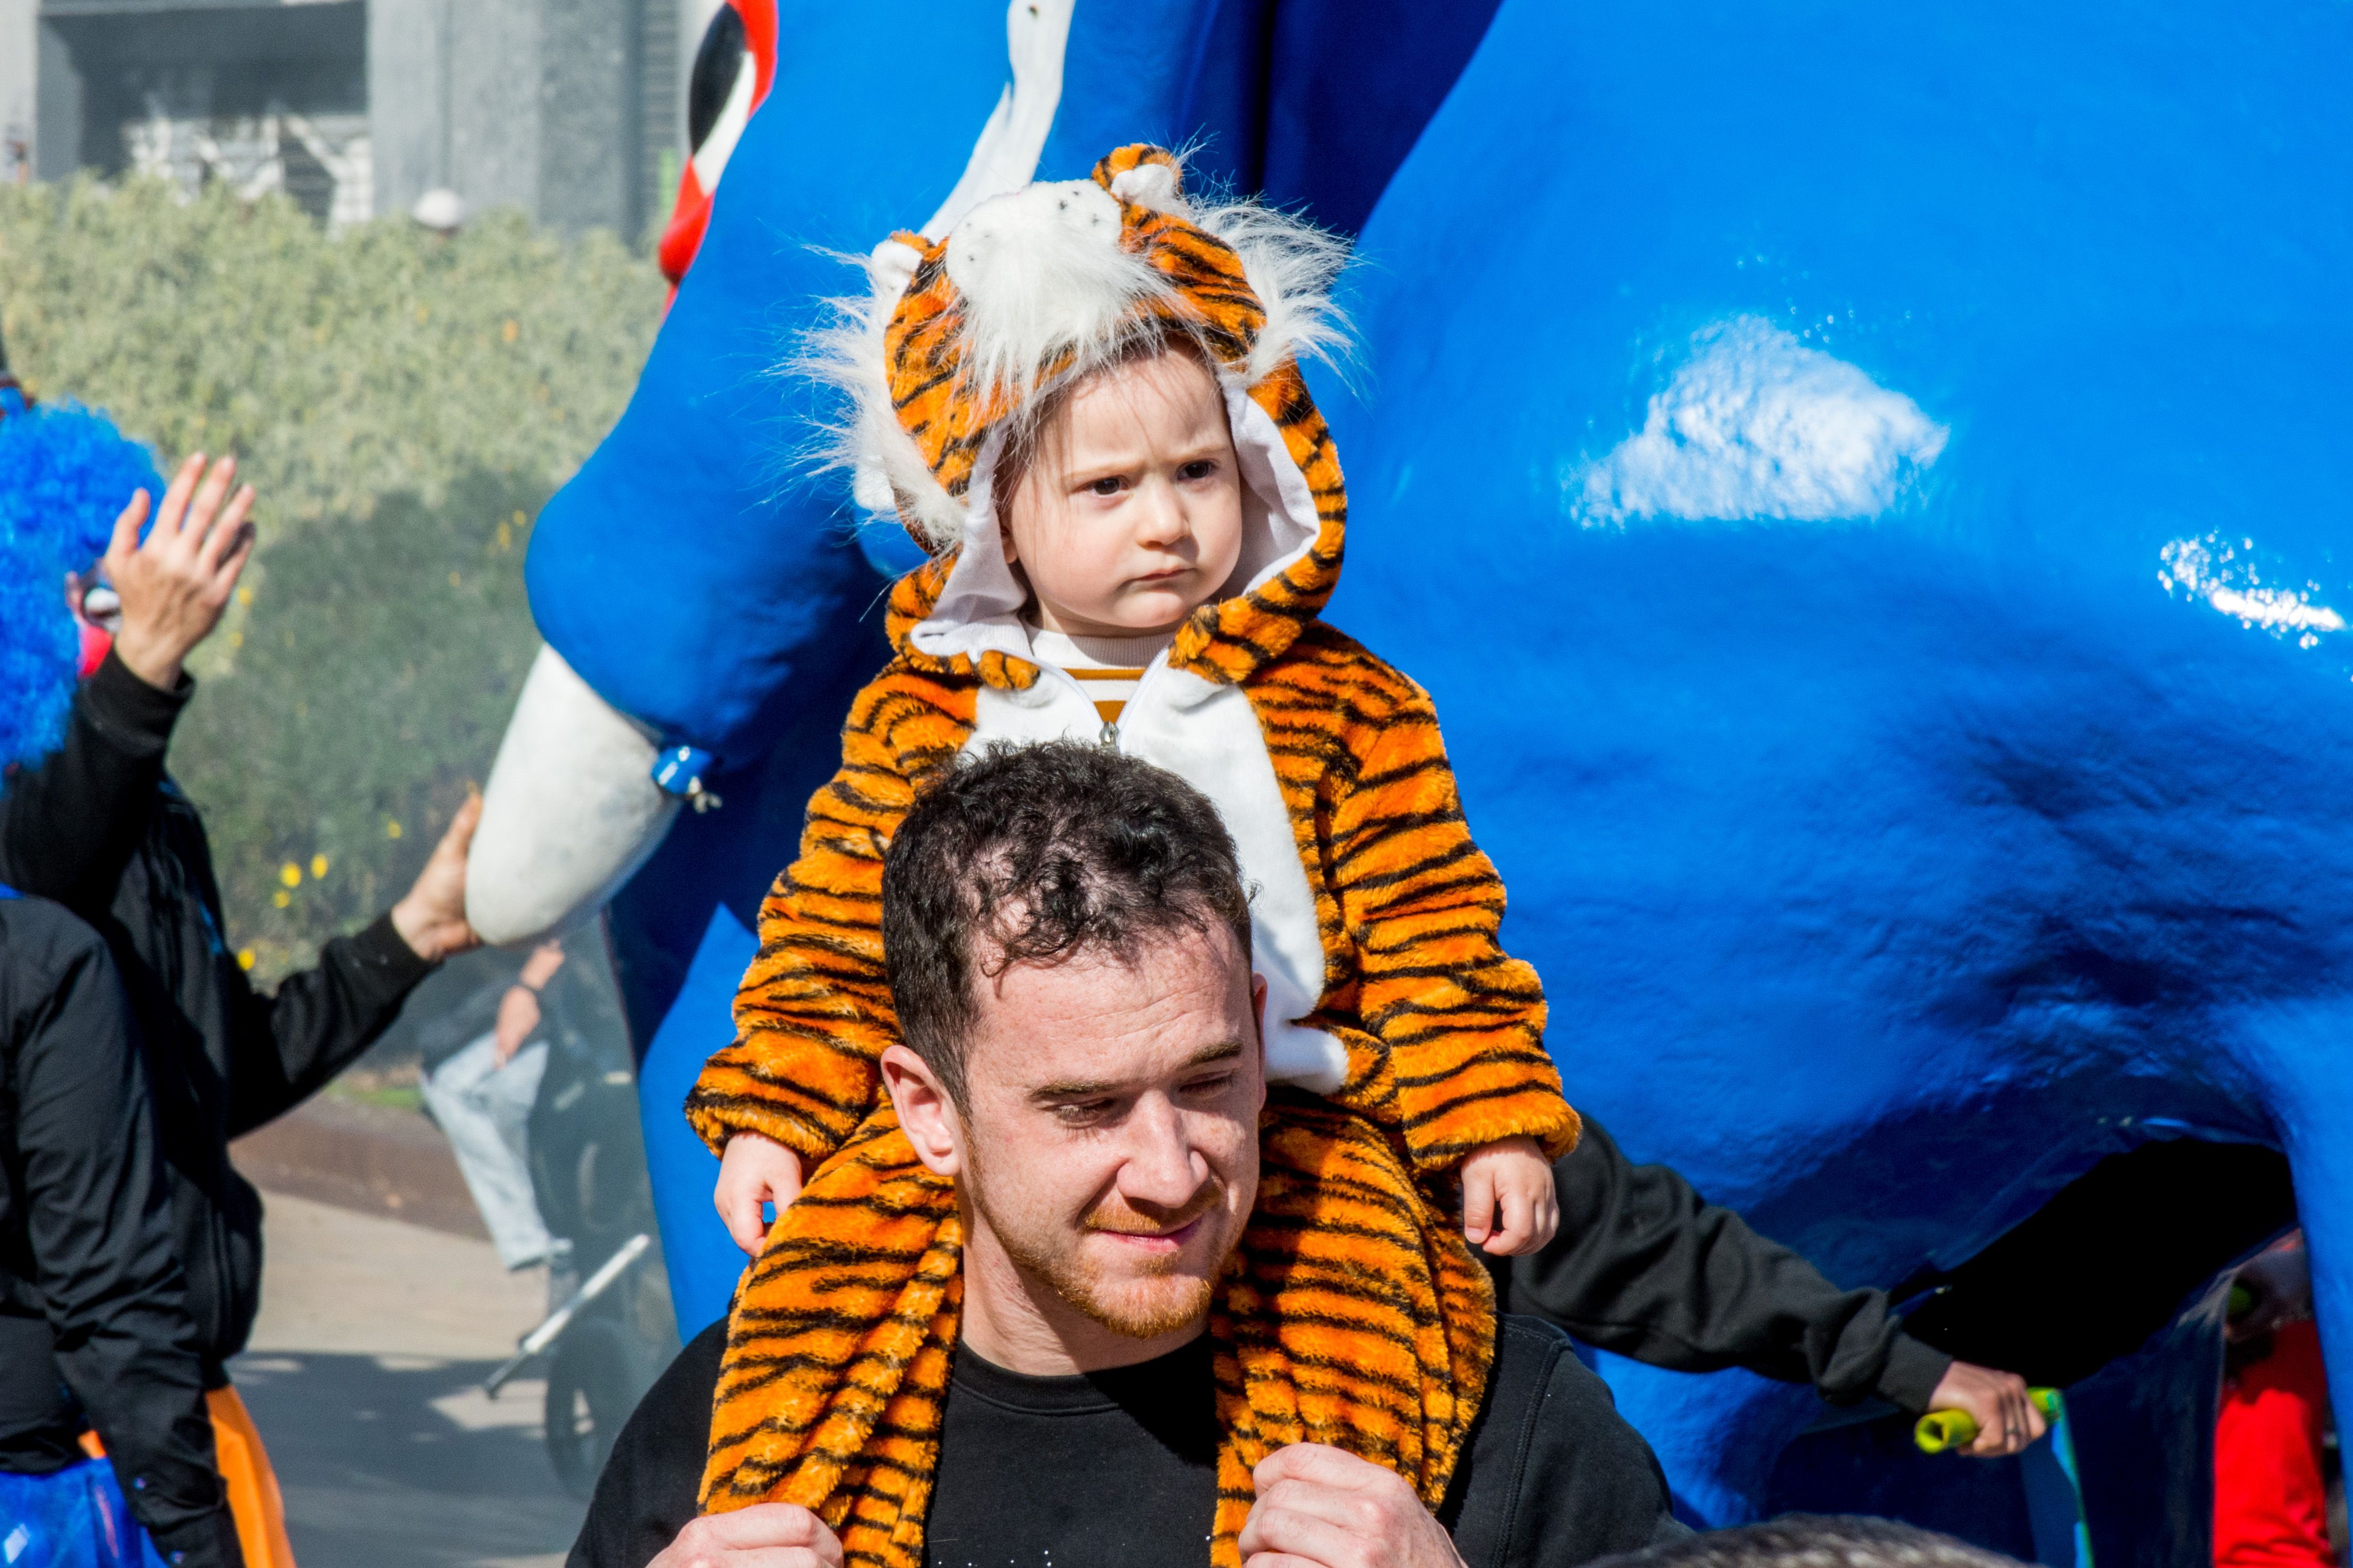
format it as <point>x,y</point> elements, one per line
<point>403,403</point>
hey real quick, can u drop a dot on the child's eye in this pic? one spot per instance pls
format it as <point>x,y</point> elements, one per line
<point>1109,486</point>
<point>1200,468</point>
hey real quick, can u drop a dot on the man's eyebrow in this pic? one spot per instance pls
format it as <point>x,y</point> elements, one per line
<point>1089,1089</point>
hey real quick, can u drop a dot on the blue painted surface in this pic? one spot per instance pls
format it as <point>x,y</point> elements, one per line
<point>703,1259</point>
<point>2054,1496</point>
<point>1889,838</point>
<point>1866,487</point>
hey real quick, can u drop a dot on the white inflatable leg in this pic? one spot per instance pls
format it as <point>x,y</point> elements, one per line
<point>571,809</point>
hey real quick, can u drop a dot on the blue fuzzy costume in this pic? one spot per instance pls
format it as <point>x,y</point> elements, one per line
<point>66,473</point>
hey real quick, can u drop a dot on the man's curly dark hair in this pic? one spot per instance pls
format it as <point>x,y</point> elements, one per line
<point>1036,854</point>
<point>1814,1541</point>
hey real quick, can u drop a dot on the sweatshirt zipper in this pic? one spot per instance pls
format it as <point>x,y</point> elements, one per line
<point>1109,734</point>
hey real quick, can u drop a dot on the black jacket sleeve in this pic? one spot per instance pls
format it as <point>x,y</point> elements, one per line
<point>1644,1267</point>
<point>646,1494</point>
<point>101,1244</point>
<point>70,824</point>
<point>284,1047</point>
<point>70,827</point>
<point>1554,1476</point>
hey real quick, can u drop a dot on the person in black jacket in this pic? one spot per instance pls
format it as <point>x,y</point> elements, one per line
<point>99,826</point>
<point>1645,1267</point>
<point>94,1324</point>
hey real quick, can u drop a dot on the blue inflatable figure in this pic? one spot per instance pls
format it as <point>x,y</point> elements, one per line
<point>1867,489</point>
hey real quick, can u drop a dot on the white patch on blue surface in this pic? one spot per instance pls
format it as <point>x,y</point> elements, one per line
<point>2226,576</point>
<point>1757,425</point>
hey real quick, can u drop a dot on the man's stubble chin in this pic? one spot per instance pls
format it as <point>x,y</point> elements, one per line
<point>1153,1299</point>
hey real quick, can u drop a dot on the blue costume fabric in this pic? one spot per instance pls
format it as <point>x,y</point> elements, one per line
<point>1866,487</point>
<point>73,1517</point>
<point>66,473</point>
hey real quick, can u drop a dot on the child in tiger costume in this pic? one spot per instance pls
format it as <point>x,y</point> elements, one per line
<point>1087,402</point>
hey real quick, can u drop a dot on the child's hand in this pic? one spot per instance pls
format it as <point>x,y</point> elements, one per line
<point>756,1170</point>
<point>1511,1174</point>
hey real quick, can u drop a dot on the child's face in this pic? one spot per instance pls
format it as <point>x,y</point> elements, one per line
<point>1131,514</point>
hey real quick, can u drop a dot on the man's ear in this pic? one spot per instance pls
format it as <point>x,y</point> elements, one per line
<point>926,1114</point>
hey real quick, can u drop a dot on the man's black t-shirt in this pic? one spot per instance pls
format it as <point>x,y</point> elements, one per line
<point>1118,1468</point>
<point>1105,1468</point>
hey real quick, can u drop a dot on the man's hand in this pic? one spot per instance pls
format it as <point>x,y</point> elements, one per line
<point>432,919</point>
<point>2007,1420</point>
<point>1320,1507</point>
<point>754,1170</point>
<point>175,585</point>
<point>519,1012</point>
<point>765,1535</point>
<point>1511,1174</point>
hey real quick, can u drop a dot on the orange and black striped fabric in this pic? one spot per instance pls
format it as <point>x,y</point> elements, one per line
<point>1351,1314</point>
<point>1354,1313</point>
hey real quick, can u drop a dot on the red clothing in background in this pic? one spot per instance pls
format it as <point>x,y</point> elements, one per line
<point>2271,1507</point>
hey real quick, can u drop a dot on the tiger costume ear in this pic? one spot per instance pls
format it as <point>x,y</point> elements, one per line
<point>1143,175</point>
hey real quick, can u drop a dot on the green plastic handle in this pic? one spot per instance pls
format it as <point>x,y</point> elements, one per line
<point>1940,1430</point>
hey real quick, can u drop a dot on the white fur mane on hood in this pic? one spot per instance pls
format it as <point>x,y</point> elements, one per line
<point>1042,277</point>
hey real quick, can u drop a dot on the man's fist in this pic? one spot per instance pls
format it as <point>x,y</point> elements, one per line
<point>765,1535</point>
<point>432,919</point>
<point>1510,1175</point>
<point>1320,1507</point>
<point>2007,1419</point>
<point>175,586</point>
<point>756,1170</point>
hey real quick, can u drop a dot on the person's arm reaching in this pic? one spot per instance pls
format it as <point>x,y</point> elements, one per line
<point>1646,1268</point>
<point>102,1241</point>
<point>287,1046</point>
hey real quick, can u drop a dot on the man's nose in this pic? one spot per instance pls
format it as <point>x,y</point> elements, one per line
<point>1163,1169</point>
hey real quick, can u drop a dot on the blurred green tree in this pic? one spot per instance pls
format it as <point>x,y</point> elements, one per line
<point>403,403</point>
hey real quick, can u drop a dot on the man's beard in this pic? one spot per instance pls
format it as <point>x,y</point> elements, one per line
<point>1131,1306</point>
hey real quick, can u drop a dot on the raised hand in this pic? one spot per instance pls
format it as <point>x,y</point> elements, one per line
<point>175,584</point>
<point>432,919</point>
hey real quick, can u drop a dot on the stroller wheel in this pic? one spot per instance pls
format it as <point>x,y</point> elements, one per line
<point>595,1382</point>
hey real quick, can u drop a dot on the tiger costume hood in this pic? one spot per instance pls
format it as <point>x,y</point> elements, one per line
<point>963,336</point>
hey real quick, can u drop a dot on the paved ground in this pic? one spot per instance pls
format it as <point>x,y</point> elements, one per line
<point>364,1376</point>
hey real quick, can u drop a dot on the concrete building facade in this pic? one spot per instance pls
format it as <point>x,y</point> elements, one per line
<point>570,109</point>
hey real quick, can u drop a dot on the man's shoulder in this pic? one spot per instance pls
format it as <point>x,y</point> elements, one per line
<point>1554,1476</point>
<point>647,1492</point>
